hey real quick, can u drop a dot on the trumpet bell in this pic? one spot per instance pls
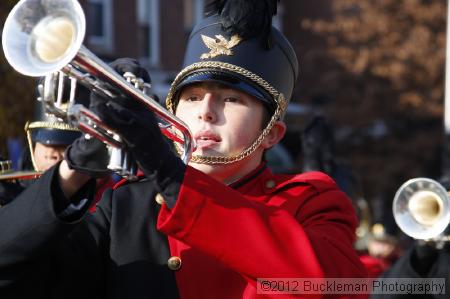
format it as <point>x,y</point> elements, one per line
<point>426,207</point>
<point>42,36</point>
<point>421,208</point>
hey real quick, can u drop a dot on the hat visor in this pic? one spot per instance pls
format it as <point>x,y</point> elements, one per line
<point>54,136</point>
<point>232,81</point>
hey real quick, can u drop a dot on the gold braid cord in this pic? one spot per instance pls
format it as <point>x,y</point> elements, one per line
<point>220,66</point>
<point>50,125</point>
<point>30,146</point>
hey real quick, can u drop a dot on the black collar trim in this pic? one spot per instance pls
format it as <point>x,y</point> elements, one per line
<point>249,177</point>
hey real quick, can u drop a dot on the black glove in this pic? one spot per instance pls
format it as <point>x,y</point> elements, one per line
<point>89,156</point>
<point>423,257</point>
<point>123,65</point>
<point>139,129</point>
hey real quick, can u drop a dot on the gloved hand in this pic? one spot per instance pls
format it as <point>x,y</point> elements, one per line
<point>139,129</point>
<point>423,257</point>
<point>88,155</point>
<point>123,65</point>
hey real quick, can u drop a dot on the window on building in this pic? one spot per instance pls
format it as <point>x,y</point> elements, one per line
<point>96,19</point>
<point>99,22</point>
<point>193,12</point>
<point>148,19</point>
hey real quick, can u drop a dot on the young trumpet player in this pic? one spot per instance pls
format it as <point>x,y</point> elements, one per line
<point>209,229</point>
<point>47,140</point>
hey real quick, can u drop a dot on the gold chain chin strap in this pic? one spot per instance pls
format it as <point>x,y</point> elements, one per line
<point>279,112</point>
<point>30,145</point>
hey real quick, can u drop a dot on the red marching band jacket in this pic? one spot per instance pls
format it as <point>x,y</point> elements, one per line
<point>264,226</point>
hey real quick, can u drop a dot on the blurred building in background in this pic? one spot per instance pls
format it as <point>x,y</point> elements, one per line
<point>374,69</point>
<point>156,32</point>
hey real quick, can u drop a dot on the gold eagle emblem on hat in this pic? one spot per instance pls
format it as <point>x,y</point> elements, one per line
<point>219,45</point>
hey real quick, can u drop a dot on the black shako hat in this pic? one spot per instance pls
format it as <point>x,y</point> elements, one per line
<point>52,133</point>
<point>49,131</point>
<point>263,65</point>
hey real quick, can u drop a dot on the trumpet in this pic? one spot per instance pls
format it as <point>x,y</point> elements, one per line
<point>5,166</point>
<point>44,38</point>
<point>421,209</point>
<point>20,175</point>
<point>7,173</point>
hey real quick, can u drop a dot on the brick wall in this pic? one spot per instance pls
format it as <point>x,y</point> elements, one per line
<point>173,35</point>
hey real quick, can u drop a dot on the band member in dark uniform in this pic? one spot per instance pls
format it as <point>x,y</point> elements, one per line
<point>47,140</point>
<point>422,260</point>
<point>207,229</point>
<point>428,258</point>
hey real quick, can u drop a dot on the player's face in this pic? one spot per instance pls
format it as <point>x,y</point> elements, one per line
<point>224,122</point>
<point>45,156</point>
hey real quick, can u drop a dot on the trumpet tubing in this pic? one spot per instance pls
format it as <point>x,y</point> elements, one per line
<point>5,166</point>
<point>20,175</point>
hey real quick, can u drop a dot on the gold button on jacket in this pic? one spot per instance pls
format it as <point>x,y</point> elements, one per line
<point>174,263</point>
<point>159,199</point>
<point>270,184</point>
